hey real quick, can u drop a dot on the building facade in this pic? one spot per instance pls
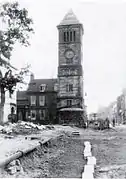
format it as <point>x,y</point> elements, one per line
<point>38,104</point>
<point>121,108</point>
<point>62,100</point>
<point>70,71</point>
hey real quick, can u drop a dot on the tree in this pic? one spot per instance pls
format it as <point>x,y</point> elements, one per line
<point>16,27</point>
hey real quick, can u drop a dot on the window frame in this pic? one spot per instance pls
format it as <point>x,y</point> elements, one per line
<point>31,100</point>
<point>69,102</point>
<point>31,112</point>
<point>43,99</point>
<point>74,35</point>
<point>42,86</point>
<point>69,87</point>
<point>42,111</point>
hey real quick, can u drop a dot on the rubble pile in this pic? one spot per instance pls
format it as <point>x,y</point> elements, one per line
<point>21,128</point>
<point>14,167</point>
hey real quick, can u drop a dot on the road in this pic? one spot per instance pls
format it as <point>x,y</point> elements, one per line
<point>65,157</point>
<point>109,148</point>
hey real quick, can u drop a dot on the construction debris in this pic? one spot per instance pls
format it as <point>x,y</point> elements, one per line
<point>13,167</point>
<point>22,128</point>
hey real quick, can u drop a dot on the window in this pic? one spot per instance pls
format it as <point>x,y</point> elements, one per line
<point>42,87</point>
<point>64,36</point>
<point>42,114</point>
<point>69,61</point>
<point>55,87</point>
<point>33,100</point>
<point>70,36</point>
<point>67,36</point>
<point>69,102</point>
<point>33,114</point>
<point>74,34</point>
<point>26,115</point>
<point>69,87</point>
<point>41,100</point>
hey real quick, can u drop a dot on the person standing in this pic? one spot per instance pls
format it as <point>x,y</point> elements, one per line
<point>113,122</point>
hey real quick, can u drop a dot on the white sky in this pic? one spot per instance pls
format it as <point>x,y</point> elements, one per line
<point>104,45</point>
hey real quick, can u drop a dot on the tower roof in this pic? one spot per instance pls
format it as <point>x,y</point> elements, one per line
<point>70,18</point>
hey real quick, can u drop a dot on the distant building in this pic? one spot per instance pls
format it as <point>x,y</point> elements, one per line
<point>93,116</point>
<point>121,107</point>
<point>109,112</point>
<point>47,100</point>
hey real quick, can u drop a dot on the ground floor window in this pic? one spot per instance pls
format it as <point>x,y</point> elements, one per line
<point>42,114</point>
<point>33,114</point>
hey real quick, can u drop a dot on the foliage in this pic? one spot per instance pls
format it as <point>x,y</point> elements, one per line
<point>17,27</point>
<point>9,81</point>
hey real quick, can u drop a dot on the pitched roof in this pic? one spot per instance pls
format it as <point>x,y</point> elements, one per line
<point>70,18</point>
<point>35,84</point>
<point>21,95</point>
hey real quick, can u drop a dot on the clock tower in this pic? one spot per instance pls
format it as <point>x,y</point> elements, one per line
<point>70,73</point>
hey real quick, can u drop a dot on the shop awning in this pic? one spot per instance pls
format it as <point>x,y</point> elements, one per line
<point>71,109</point>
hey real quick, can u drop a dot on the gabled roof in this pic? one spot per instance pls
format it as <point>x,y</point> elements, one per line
<point>70,18</point>
<point>34,85</point>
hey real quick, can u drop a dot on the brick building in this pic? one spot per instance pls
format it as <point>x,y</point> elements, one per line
<point>64,95</point>
<point>38,102</point>
<point>70,72</point>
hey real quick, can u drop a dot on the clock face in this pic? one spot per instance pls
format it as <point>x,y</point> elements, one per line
<point>69,54</point>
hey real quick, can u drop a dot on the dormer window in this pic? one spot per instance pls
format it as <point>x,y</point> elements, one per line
<point>42,87</point>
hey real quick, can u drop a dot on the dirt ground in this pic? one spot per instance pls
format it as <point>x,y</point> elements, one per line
<point>109,148</point>
<point>63,157</point>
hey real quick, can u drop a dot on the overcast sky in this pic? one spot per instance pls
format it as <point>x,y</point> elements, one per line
<point>104,45</point>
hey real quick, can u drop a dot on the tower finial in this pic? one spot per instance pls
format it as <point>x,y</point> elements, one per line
<point>70,18</point>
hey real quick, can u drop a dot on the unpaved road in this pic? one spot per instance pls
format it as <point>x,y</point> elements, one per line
<point>109,148</point>
<point>64,157</point>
